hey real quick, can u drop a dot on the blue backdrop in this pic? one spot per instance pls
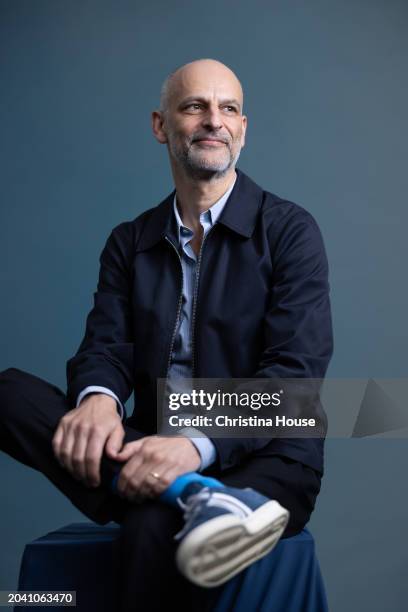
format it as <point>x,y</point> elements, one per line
<point>326,95</point>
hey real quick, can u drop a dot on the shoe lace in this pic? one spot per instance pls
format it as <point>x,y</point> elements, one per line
<point>191,509</point>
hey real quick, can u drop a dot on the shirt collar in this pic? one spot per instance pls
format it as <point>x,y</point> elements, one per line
<point>210,215</point>
<point>240,214</point>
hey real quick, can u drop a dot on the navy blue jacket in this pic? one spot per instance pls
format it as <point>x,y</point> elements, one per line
<point>262,309</point>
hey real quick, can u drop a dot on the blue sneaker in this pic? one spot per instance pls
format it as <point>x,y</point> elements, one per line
<point>226,529</point>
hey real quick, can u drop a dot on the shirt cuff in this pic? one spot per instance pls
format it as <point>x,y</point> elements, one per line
<point>97,389</point>
<point>203,444</point>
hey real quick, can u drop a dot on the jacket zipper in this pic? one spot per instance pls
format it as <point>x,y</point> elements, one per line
<point>178,308</point>
<point>195,301</point>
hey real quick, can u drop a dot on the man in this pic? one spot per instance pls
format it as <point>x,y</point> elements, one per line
<point>221,280</point>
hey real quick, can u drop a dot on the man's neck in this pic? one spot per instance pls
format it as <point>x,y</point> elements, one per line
<point>196,196</point>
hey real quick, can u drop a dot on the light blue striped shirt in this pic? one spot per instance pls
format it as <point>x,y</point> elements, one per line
<point>181,360</point>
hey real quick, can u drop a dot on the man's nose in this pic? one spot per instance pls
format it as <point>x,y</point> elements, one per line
<point>212,119</point>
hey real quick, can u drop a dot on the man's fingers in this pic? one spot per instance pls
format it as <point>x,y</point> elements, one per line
<point>167,477</point>
<point>128,450</point>
<point>81,434</point>
<point>93,456</point>
<point>65,453</point>
<point>56,441</point>
<point>155,479</point>
<point>146,478</point>
<point>129,476</point>
<point>78,457</point>
<point>115,441</point>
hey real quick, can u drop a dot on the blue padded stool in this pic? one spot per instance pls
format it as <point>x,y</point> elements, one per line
<point>81,557</point>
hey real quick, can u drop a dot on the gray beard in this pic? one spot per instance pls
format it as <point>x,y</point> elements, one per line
<point>201,171</point>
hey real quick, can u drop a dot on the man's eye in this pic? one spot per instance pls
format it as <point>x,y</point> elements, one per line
<point>231,109</point>
<point>194,106</point>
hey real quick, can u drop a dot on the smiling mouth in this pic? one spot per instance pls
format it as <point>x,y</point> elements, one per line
<point>210,142</point>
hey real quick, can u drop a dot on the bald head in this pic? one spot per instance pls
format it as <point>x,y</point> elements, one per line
<point>197,76</point>
<point>201,120</point>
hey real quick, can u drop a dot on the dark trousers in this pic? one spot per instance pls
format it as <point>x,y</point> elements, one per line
<point>148,579</point>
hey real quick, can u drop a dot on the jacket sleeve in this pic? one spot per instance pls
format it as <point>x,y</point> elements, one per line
<point>298,341</point>
<point>105,355</point>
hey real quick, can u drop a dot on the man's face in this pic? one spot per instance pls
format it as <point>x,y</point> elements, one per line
<point>204,127</point>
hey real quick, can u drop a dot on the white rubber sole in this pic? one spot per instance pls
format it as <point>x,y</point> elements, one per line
<point>222,547</point>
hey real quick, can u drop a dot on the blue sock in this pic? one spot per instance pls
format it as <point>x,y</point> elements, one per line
<point>169,496</point>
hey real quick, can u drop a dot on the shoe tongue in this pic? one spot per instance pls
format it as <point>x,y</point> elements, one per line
<point>190,489</point>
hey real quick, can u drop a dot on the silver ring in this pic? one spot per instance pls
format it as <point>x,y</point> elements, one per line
<point>155,475</point>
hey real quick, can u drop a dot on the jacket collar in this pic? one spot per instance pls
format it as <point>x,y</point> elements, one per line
<point>239,214</point>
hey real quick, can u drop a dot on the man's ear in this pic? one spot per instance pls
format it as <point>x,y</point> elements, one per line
<point>244,127</point>
<point>157,126</point>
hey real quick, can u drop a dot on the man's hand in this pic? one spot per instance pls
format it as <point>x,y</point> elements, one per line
<point>81,435</point>
<point>167,457</point>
